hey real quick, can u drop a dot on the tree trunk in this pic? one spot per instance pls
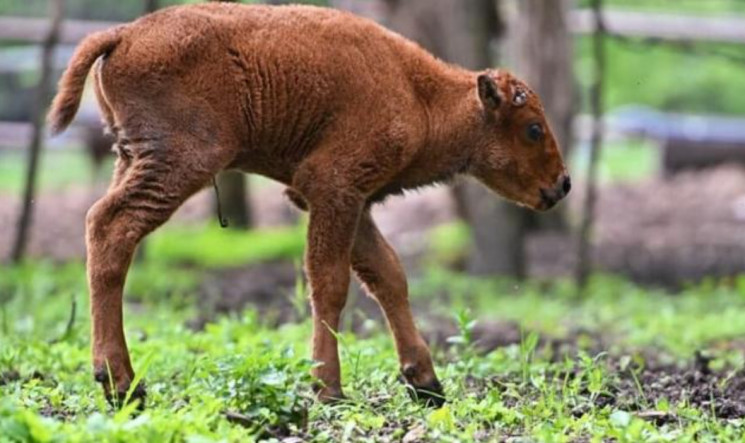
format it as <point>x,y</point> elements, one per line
<point>540,47</point>
<point>233,194</point>
<point>464,32</point>
<point>498,231</point>
<point>56,10</point>
<point>540,52</point>
<point>596,105</point>
<point>150,6</point>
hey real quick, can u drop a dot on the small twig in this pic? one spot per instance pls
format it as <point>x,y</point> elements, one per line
<point>4,318</point>
<point>70,323</point>
<point>239,419</point>
<point>71,320</point>
<point>657,417</point>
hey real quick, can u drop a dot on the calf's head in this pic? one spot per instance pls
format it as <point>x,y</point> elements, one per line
<point>516,154</point>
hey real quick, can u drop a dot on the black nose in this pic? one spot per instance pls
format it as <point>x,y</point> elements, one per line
<point>551,196</point>
<point>566,185</point>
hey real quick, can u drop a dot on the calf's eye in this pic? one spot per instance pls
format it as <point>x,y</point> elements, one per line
<point>535,132</point>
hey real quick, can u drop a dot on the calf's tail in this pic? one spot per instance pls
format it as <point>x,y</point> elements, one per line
<point>71,85</point>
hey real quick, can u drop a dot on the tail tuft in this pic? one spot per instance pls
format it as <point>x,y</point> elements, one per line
<point>67,101</point>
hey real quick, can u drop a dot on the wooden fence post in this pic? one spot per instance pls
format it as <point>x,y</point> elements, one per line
<point>25,220</point>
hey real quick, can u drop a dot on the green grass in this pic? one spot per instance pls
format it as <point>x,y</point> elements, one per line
<point>239,364</point>
<point>214,247</point>
<point>448,243</point>
<point>639,317</point>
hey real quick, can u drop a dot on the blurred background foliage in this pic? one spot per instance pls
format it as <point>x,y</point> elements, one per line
<point>674,237</point>
<point>683,77</point>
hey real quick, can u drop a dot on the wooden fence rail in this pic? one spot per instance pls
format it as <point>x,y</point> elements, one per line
<point>33,30</point>
<point>676,27</point>
<point>14,136</point>
<point>663,26</point>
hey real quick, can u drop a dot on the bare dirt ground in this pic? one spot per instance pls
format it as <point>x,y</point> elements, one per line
<point>683,228</point>
<point>59,227</point>
<point>639,387</point>
<point>662,231</point>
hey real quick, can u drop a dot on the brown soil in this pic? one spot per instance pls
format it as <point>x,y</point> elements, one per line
<point>686,227</point>
<point>269,290</point>
<point>637,389</point>
<point>58,231</point>
<point>721,393</point>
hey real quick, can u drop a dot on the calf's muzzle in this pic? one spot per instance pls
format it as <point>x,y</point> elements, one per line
<point>551,196</point>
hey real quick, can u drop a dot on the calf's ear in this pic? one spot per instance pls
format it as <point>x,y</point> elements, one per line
<point>489,92</point>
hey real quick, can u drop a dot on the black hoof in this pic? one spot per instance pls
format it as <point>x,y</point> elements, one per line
<point>430,395</point>
<point>101,376</point>
<point>138,394</point>
<point>328,395</point>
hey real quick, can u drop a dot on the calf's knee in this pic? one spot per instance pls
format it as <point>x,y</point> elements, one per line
<point>109,222</point>
<point>95,219</point>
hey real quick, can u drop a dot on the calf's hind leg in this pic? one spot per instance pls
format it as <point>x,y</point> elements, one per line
<point>151,182</point>
<point>381,274</point>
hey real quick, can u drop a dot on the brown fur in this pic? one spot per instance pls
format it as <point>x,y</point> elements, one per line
<point>336,107</point>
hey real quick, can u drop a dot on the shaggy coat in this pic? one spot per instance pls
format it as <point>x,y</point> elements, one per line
<point>336,107</point>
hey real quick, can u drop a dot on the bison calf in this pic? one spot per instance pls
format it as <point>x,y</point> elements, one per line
<point>334,106</point>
